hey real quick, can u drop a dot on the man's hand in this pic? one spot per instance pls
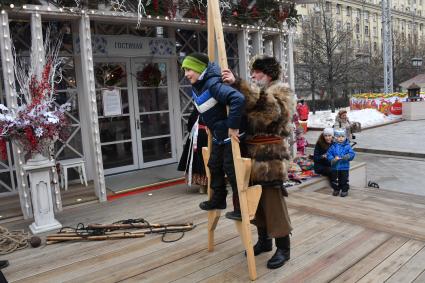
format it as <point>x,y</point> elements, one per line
<point>228,77</point>
<point>234,134</point>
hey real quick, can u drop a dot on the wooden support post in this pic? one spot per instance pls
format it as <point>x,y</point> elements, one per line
<point>248,196</point>
<point>213,215</point>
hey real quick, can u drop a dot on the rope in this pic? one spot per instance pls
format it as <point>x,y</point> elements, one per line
<point>12,241</point>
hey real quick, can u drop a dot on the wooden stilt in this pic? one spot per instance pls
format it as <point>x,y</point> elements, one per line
<point>214,215</point>
<point>248,196</point>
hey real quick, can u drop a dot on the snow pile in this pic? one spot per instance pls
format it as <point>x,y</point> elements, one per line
<point>366,117</point>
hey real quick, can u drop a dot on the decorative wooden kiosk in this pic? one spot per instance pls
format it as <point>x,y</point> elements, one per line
<point>248,196</point>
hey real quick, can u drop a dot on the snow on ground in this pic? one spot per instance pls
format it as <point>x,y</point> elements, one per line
<point>367,118</point>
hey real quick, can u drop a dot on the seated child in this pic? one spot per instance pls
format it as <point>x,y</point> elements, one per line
<point>301,141</point>
<point>339,155</point>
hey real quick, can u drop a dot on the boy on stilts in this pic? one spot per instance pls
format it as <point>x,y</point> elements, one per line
<point>211,96</point>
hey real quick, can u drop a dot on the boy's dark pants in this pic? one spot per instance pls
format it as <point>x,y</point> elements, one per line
<point>221,163</point>
<point>339,180</point>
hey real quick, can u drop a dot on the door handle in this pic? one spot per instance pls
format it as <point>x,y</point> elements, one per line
<point>138,124</point>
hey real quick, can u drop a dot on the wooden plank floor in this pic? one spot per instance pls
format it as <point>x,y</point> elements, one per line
<point>76,194</point>
<point>370,236</point>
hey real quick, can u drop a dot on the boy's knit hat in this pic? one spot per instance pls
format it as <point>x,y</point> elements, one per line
<point>268,65</point>
<point>339,133</point>
<point>328,132</point>
<point>197,62</point>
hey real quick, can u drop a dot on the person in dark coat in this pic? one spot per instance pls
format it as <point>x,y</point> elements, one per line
<point>211,97</point>
<point>339,155</point>
<point>191,160</point>
<point>322,165</point>
<point>270,106</point>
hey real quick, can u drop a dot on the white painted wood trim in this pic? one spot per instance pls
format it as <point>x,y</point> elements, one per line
<point>9,87</point>
<point>243,53</point>
<point>90,106</point>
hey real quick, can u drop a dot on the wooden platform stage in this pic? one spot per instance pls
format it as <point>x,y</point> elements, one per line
<point>370,236</point>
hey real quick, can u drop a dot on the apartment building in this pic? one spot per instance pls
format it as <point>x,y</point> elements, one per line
<point>364,19</point>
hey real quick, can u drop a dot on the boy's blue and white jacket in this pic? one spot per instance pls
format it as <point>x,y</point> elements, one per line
<point>210,96</point>
<point>344,151</point>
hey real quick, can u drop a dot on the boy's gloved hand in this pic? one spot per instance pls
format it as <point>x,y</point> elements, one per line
<point>346,157</point>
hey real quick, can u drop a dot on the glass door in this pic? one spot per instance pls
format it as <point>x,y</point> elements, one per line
<point>116,115</point>
<point>152,104</point>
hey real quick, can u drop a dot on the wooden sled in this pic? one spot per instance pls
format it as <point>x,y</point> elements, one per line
<point>249,197</point>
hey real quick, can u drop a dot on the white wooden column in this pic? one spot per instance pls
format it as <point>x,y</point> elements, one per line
<point>279,52</point>
<point>243,54</point>
<point>290,57</point>
<point>257,43</point>
<point>37,46</point>
<point>11,100</point>
<point>268,47</point>
<point>90,107</point>
<point>174,88</point>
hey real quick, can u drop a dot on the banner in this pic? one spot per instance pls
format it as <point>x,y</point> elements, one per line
<point>384,103</point>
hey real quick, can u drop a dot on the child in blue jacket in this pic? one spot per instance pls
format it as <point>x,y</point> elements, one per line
<point>211,96</point>
<point>339,155</point>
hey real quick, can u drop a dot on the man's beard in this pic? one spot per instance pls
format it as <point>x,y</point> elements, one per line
<point>262,83</point>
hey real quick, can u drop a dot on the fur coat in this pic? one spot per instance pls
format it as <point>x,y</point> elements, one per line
<point>268,112</point>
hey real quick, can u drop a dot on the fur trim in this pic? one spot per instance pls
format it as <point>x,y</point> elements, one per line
<point>269,171</point>
<point>269,112</point>
<point>251,93</point>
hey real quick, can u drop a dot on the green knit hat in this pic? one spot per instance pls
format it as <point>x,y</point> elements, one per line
<point>197,62</point>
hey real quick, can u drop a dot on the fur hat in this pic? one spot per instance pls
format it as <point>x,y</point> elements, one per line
<point>339,133</point>
<point>268,65</point>
<point>328,132</point>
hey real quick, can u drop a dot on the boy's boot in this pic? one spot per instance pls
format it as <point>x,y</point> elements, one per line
<point>282,253</point>
<point>236,213</point>
<point>4,264</point>
<point>217,201</point>
<point>344,194</point>
<point>264,244</point>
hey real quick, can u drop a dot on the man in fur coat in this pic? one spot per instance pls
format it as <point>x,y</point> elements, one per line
<point>269,109</point>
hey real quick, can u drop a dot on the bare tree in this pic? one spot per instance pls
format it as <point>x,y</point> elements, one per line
<point>327,53</point>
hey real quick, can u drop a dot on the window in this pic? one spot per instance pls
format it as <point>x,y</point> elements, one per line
<point>375,17</point>
<point>375,46</point>
<point>375,31</point>
<point>357,28</point>
<point>338,9</point>
<point>366,15</point>
<point>338,25</point>
<point>348,26</point>
<point>328,6</point>
<point>348,11</point>
<point>366,30</point>
<point>359,13</point>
